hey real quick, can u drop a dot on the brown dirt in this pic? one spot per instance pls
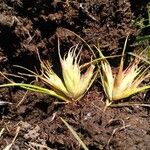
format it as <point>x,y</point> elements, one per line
<point>27,26</point>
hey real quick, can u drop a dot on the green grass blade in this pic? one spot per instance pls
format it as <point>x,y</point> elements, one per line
<point>148,54</point>
<point>148,16</point>
<point>142,38</point>
<point>97,60</point>
<point>35,88</point>
<point>141,58</point>
<point>130,104</point>
<point>74,134</point>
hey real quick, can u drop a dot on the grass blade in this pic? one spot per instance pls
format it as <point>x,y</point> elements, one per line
<point>144,59</point>
<point>74,134</point>
<point>142,38</point>
<point>35,88</point>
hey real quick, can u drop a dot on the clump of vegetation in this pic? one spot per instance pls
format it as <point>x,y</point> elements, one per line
<point>143,33</point>
<point>74,84</point>
<point>143,24</point>
<point>125,82</point>
<point>77,79</point>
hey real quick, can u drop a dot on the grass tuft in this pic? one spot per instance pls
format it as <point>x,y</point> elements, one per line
<point>76,78</point>
<point>125,82</point>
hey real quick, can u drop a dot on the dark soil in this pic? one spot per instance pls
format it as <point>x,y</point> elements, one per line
<point>30,25</point>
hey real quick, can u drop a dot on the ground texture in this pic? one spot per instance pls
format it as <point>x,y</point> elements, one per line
<point>30,25</point>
